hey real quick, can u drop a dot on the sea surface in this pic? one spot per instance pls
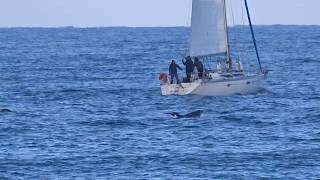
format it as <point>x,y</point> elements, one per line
<point>85,103</point>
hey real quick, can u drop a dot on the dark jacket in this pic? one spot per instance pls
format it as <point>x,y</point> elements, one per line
<point>173,68</point>
<point>189,65</point>
<point>198,65</point>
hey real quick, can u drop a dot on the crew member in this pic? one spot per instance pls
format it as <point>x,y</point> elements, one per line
<point>189,67</point>
<point>199,67</point>
<point>173,71</point>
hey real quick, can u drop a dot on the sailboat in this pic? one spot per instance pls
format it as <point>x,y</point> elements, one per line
<point>209,42</point>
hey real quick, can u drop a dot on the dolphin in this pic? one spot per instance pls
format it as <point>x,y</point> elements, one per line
<point>195,114</point>
<point>5,110</point>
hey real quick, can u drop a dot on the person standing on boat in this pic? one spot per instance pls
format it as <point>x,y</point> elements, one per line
<point>189,67</point>
<point>173,71</point>
<point>199,67</point>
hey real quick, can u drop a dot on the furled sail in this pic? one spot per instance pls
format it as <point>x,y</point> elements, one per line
<point>208,28</point>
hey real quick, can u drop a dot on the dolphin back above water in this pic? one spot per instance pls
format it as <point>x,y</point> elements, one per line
<point>5,110</point>
<point>195,114</point>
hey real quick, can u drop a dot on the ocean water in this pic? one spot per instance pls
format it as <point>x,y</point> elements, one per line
<point>86,104</point>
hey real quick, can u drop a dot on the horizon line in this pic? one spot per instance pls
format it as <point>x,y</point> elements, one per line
<point>88,27</point>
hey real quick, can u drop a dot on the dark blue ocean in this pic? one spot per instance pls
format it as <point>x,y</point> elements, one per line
<point>86,104</point>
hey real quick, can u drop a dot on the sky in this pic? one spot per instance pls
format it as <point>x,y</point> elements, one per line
<point>145,13</point>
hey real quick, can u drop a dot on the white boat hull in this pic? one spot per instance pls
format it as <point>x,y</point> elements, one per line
<point>237,86</point>
<point>242,86</point>
<point>180,89</point>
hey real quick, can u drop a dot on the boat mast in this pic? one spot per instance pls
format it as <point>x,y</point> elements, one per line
<point>228,60</point>
<point>253,36</point>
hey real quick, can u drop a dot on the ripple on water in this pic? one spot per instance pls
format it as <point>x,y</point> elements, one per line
<point>86,103</point>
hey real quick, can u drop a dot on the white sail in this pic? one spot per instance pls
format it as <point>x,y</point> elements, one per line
<point>208,28</point>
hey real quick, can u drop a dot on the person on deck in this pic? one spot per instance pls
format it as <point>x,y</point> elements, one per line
<point>189,67</point>
<point>199,67</point>
<point>173,71</point>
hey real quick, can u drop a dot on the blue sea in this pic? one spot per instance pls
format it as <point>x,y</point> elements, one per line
<point>85,103</point>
